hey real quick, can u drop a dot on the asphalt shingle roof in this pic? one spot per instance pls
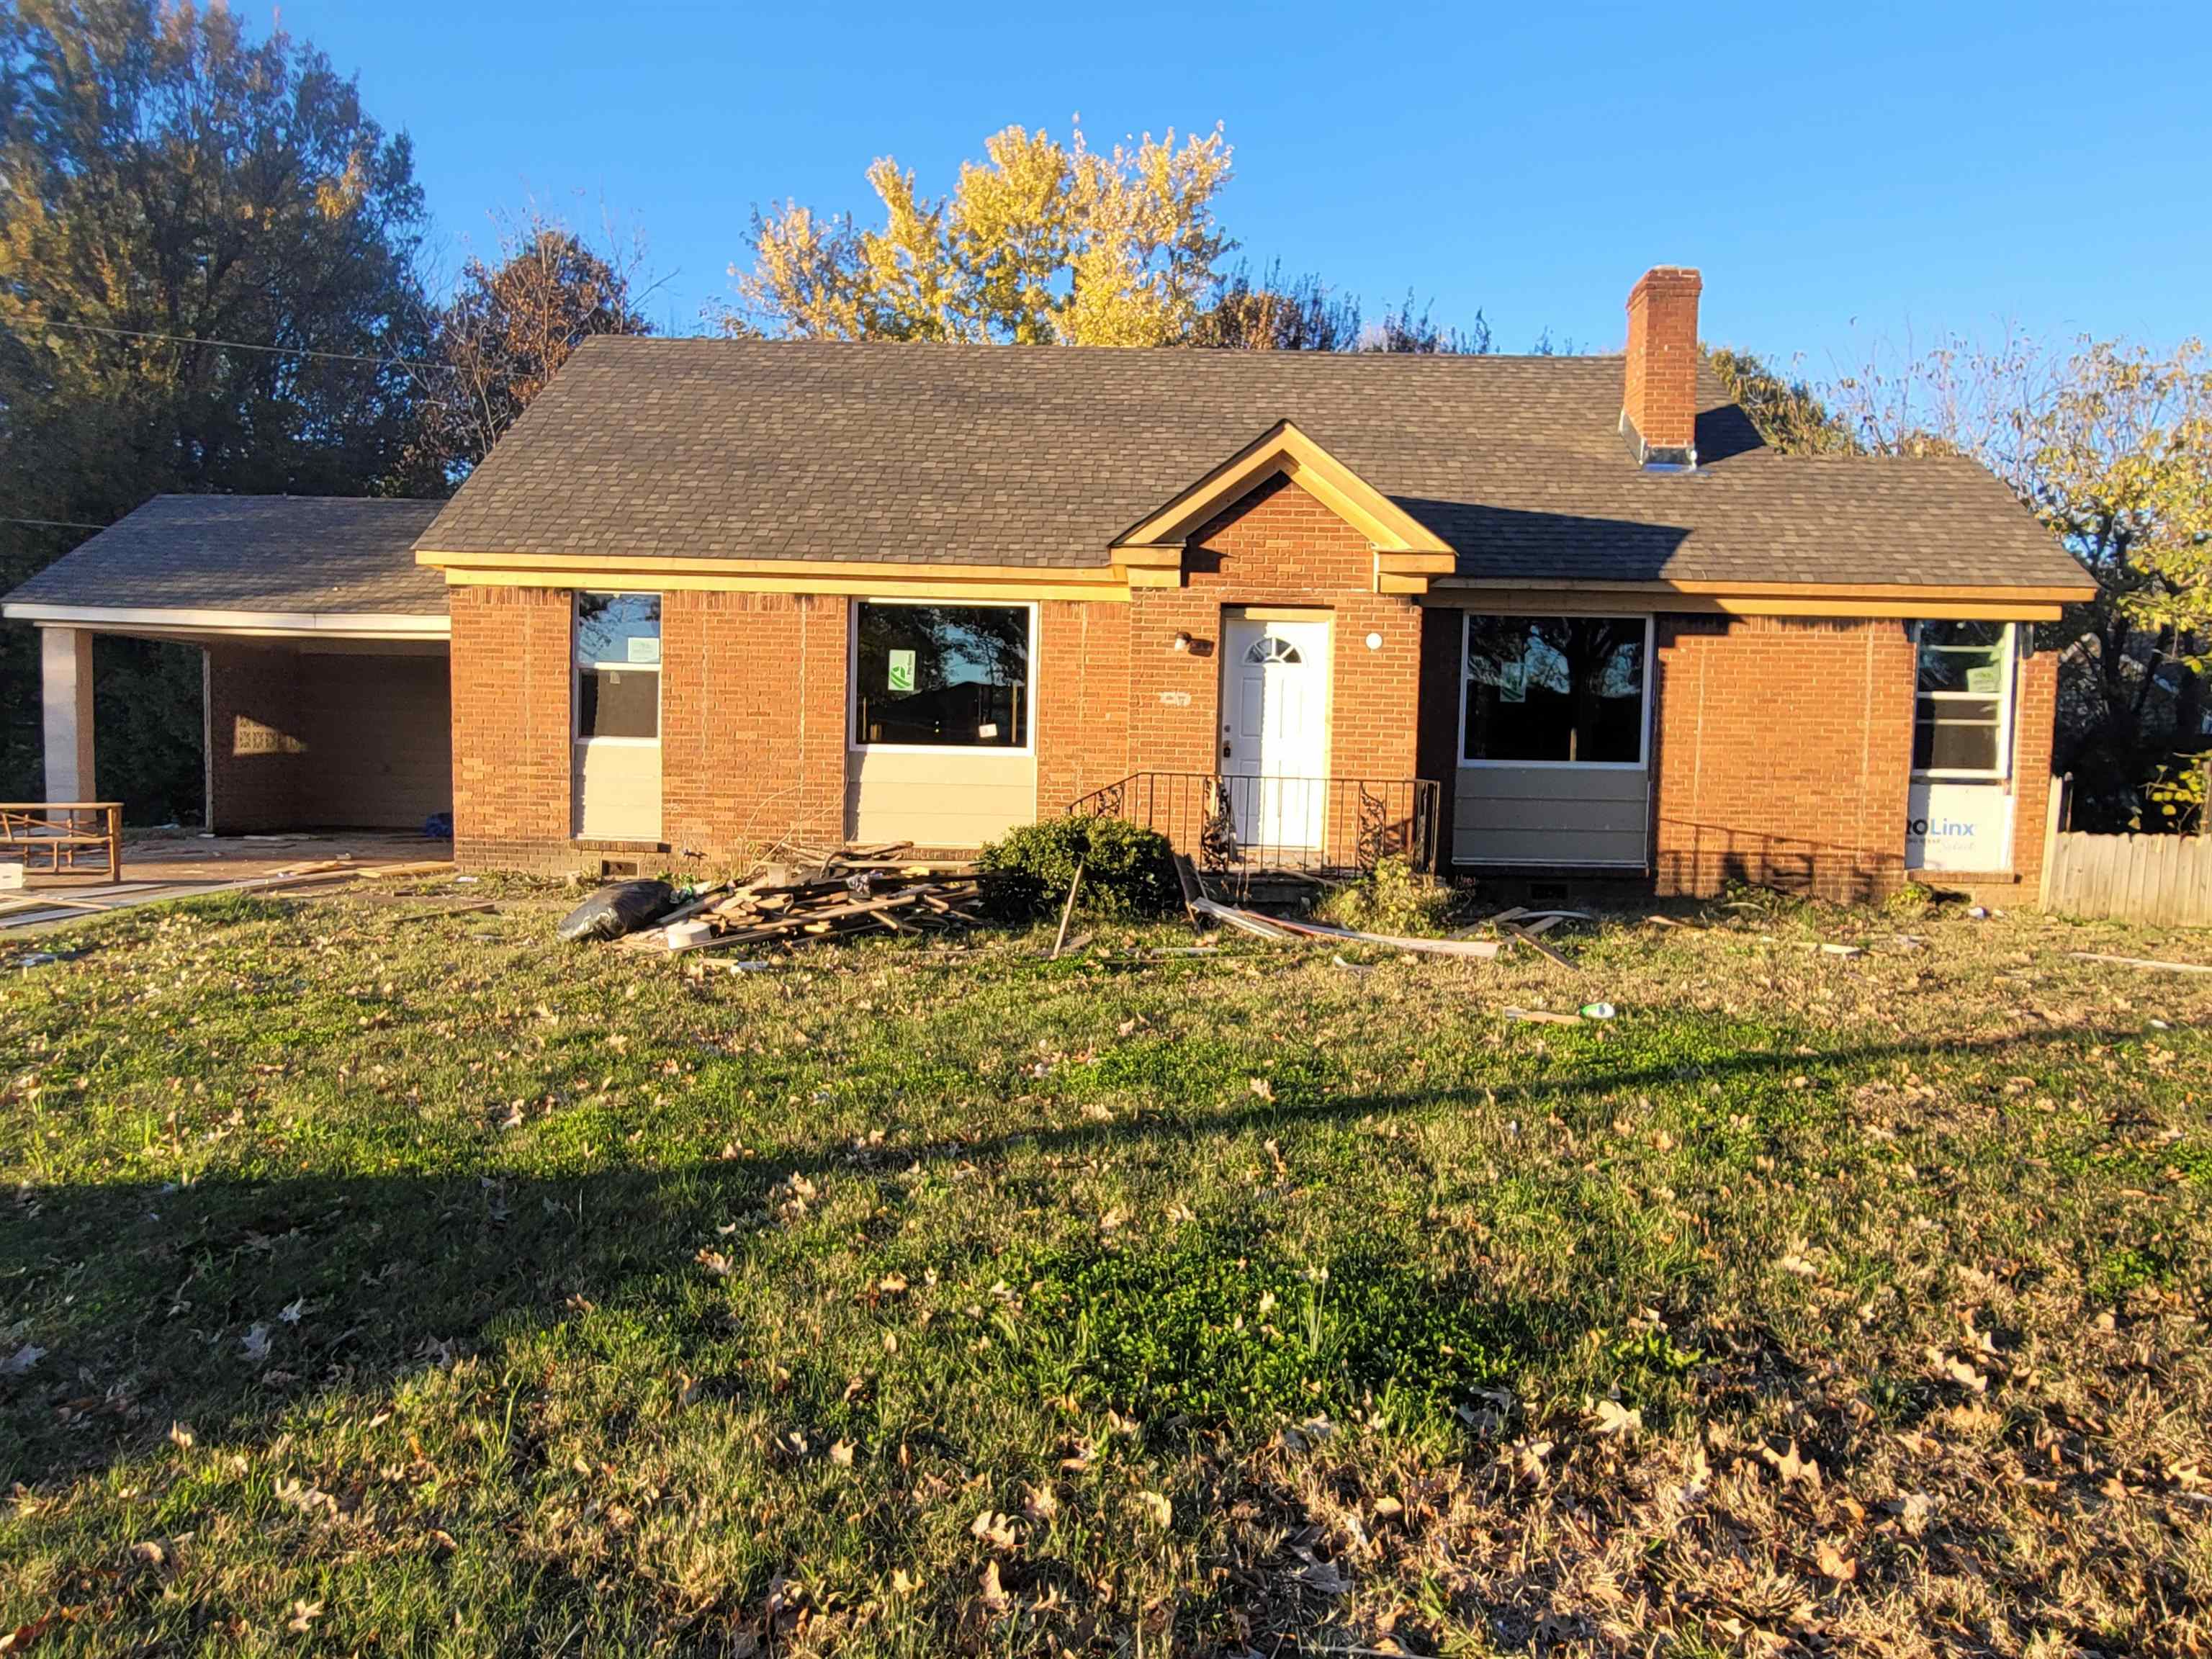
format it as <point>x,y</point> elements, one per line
<point>1029,455</point>
<point>266,553</point>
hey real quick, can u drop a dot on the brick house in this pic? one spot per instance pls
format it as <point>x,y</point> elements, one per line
<point>1530,614</point>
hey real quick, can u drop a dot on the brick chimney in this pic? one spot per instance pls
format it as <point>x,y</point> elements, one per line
<point>1659,403</point>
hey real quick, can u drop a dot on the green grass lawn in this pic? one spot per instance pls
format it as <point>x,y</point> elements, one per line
<point>378,1286</point>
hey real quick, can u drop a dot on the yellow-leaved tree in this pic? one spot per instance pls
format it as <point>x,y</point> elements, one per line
<point>1041,243</point>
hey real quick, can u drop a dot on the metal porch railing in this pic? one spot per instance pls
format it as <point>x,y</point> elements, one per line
<point>1311,825</point>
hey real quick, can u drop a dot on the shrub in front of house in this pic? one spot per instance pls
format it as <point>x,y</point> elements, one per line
<point>1392,898</point>
<point>1127,870</point>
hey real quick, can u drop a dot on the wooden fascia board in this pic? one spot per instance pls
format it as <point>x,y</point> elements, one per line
<point>1417,564</point>
<point>1107,586</point>
<point>566,566</point>
<point>878,579</point>
<point>1284,450</point>
<point>1765,599</point>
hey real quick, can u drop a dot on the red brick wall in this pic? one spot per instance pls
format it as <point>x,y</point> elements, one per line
<point>1278,546</point>
<point>1083,700</point>
<point>1782,752</point>
<point>2034,716</point>
<point>752,711</point>
<point>512,726</point>
<point>752,726</point>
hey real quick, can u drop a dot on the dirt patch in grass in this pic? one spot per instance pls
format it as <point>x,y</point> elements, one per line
<point>375,1284</point>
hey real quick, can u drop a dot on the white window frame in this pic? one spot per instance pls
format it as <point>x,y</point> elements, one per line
<point>1643,761</point>
<point>578,667</point>
<point>854,746</point>
<point>2008,674</point>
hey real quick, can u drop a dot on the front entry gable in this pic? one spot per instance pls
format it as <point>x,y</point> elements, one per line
<point>1406,552</point>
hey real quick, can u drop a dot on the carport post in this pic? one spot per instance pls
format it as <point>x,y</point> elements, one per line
<point>66,663</point>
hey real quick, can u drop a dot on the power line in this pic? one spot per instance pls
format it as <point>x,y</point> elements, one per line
<point>248,345</point>
<point>55,524</point>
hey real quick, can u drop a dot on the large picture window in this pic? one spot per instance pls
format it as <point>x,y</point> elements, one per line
<point>941,675</point>
<point>1555,691</point>
<point>1962,707</point>
<point>618,667</point>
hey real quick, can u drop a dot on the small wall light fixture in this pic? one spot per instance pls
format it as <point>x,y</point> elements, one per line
<point>1181,642</point>
<point>1374,641</point>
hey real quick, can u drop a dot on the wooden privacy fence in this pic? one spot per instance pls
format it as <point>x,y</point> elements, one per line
<point>2158,879</point>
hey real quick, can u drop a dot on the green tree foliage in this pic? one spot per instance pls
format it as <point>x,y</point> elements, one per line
<point>1787,411</point>
<point>509,327</point>
<point>167,185</point>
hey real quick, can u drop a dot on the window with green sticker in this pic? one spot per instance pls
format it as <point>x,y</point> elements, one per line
<point>941,675</point>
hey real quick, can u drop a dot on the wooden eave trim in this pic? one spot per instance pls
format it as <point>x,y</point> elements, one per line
<point>1166,556</point>
<point>567,566</point>
<point>1284,450</point>
<point>1932,601</point>
<point>2061,593</point>
<point>1416,563</point>
<point>1106,587</point>
<point>878,579</point>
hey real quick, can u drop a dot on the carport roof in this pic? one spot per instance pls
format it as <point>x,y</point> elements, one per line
<point>298,557</point>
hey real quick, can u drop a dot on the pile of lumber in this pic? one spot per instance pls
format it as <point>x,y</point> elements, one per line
<point>820,894</point>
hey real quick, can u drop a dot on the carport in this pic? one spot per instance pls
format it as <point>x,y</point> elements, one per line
<point>327,702</point>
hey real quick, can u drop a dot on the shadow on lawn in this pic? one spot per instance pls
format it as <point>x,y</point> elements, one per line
<point>142,1295</point>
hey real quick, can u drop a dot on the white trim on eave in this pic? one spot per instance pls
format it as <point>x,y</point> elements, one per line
<point>261,624</point>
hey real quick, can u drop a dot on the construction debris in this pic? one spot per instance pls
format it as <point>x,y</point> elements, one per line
<point>2143,962</point>
<point>1520,935</point>
<point>831,894</point>
<point>1541,1016</point>
<point>1283,928</point>
<point>1067,914</point>
<point>1825,947</point>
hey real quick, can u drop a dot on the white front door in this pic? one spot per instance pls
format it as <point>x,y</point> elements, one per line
<point>1274,731</point>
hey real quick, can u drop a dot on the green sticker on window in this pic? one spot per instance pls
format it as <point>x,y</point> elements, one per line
<point>1983,681</point>
<point>901,675</point>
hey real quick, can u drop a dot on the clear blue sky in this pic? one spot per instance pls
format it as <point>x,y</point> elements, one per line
<point>1844,173</point>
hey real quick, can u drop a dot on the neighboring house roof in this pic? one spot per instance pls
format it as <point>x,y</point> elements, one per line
<point>267,555</point>
<point>1008,455</point>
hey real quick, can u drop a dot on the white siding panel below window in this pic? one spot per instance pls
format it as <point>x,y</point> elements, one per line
<point>618,790</point>
<point>1552,815</point>
<point>949,798</point>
